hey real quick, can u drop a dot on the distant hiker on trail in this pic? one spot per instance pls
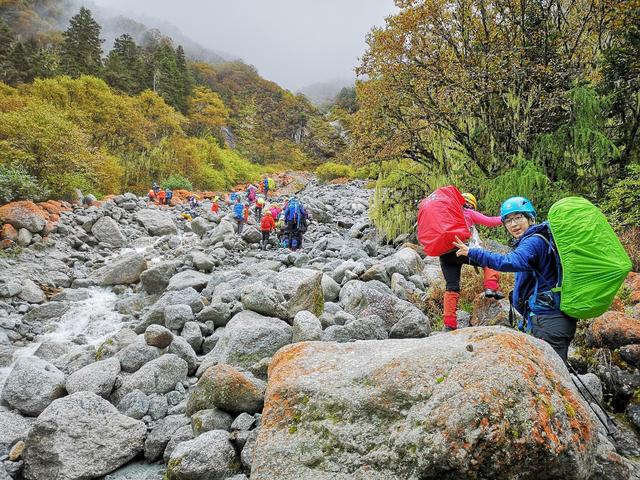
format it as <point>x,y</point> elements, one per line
<point>251,193</point>
<point>267,184</point>
<point>275,211</point>
<point>238,214</point>
<point>536,274</point>
<point>215,206</point>
<point>161,196</point>
<point>267,225</point>
<point>259,206</point>
<point>153,193</point>
<point>295,217</point>
<point>168,196</point>
<point>233,196</point>
<point>245,213</point>
<point>193,202</point>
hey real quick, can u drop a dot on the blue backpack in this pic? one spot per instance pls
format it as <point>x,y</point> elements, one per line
<point>292,213</point>
<point>238,211</point>
<point>233,196</point>
<point>266,184</point>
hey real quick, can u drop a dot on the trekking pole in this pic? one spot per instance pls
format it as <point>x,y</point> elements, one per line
<point>609,419</point>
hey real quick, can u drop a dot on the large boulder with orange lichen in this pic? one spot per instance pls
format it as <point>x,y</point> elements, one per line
<point>224,387</point>
<point>24,214</point>
<point>613,330</point>
<point>478,403</point>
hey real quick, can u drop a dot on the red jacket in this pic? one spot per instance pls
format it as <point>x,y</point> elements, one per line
<point>267,223</point>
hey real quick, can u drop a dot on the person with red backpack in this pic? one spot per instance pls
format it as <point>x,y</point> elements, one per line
<point>267,225</point>
<point>451,265</point>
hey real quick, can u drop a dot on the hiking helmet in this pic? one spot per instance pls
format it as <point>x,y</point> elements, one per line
<point>471,200</point>
<point>517,205</point>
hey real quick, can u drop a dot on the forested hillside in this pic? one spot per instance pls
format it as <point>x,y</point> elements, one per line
<point>502,98</point>
<point>75,116</point>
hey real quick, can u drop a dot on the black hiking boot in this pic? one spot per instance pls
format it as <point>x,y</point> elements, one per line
<point>490,293</point>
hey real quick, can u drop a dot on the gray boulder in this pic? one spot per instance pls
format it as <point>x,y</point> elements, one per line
<point>160,435</point>
<point>24,237</point>
<point>261,298</point>
<point>188,279</point>
<point>203,262</point>
<point>135,355</point>
<point>183,434</point>
<point>439,399</point>
<point>156,222</point>
<point>201,226</point>
<point>223,231</point>
<point>406,262</point>
<point>248,338</point>
<point>116,342</point>
<point>175,316</point>
<point>157,376</point>
<point>62,445</point>
<point>306,327</point>
<point>369,327</point>
<point>210,419</point>
<point>251,234</point>
<point>31,293</point>
<point>122,270</point>
<point>134,404</point>
<point>32,385</point>
<point>14,428</point>
<point>330,288</point>
<point>138,471</point>
<point>98,378</point>
<point>193,335</point>
<point>156,279</point>
<point>107,230</point>
<point>155,314</point>
<point>302,290</point>
<point>210,456</point>
<point>218,312</point>
<point>182,349</point>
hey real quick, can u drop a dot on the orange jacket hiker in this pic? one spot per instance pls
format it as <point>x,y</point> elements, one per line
<point>267,223</point>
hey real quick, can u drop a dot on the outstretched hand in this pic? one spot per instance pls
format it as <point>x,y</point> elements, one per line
<point>463,249</point>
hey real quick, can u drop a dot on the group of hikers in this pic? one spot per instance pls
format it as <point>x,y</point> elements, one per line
<point>544,258</point>
<point>289,221</point>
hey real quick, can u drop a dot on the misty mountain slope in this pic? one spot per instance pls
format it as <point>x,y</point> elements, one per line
<point>323,93</point>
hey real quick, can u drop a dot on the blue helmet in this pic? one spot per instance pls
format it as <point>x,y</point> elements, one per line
<point>517,205</point>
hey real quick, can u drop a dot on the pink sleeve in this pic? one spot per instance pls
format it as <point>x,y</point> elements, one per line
<point>474,217</point>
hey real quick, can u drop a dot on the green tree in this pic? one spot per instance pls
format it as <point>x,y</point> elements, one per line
<point>81,52</point>
<point>347,99</point>
<point>124,66</point>
<point>185,85</point>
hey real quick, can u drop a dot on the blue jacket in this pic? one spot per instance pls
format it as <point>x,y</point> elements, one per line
<point>238,211</point>
<point>532,259</point>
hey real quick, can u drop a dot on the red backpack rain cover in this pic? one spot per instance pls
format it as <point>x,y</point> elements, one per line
<point>441,220</point>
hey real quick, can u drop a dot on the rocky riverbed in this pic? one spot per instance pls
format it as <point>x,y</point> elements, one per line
<point>135,344</point>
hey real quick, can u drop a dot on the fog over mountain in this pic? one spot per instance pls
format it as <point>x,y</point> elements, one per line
<point>295,43</point>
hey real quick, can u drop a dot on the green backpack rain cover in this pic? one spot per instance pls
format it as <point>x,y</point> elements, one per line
<point>594,263</point>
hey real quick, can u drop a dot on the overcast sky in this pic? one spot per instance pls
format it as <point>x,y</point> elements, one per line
<point>292,42</point>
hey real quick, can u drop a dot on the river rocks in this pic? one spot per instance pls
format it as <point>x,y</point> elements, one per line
<point>14,428</point>
<point>160,435</point>
<point>98,378</point>
<point>158,336</point>
<point>406,262</point>
<point>122,270</point>
<point>32,385</point>
<point>188,279</point>
<point>210,456</point>
<point>375,298</point>
<point>203,262</point>
<point>175,316</point>
<point>116,342</point>
<point>24,237</point>
<point>180,347</point>
<point>248,338</point>
<point>224,387</point>
<point>193,335</point>
<point>135,355</point>
<point>8,232</point>
<point>330,288</point>
<point>302,290</point>
<point>107,230</point>
<point>438,399</point>
<point>156,222</point>
<point>138,471</point>
<point>223,231</point>
<point>156,279</point>
<point>134,404</point>
<point>613,330</point>
<point>157,376</point>
<point>369,327</point>
<point>210,419</point>
<point>25,215</point>
<point>251,234</point>
<point>261,298</point>
<point>31,292</point>
<point>62,443</point>
<point>306,327</point>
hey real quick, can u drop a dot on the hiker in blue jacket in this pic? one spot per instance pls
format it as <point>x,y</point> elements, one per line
<point>535,263</point>
<point>238,214</point>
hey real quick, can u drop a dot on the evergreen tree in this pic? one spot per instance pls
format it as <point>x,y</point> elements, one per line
<point>81,50</point>
<point>124,66</point>
<point>8,73</point>
<point>186,82</point>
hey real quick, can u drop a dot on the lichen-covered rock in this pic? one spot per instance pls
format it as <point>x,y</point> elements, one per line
<point>210,456</point>
<point>478,403</point>
<point>24,214</point>
<point>81,436</point>
<point>248,338</point>
<point>210,419</point>
<point>613,330</point>
<point>32,385</point>
<point>224,387</point>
